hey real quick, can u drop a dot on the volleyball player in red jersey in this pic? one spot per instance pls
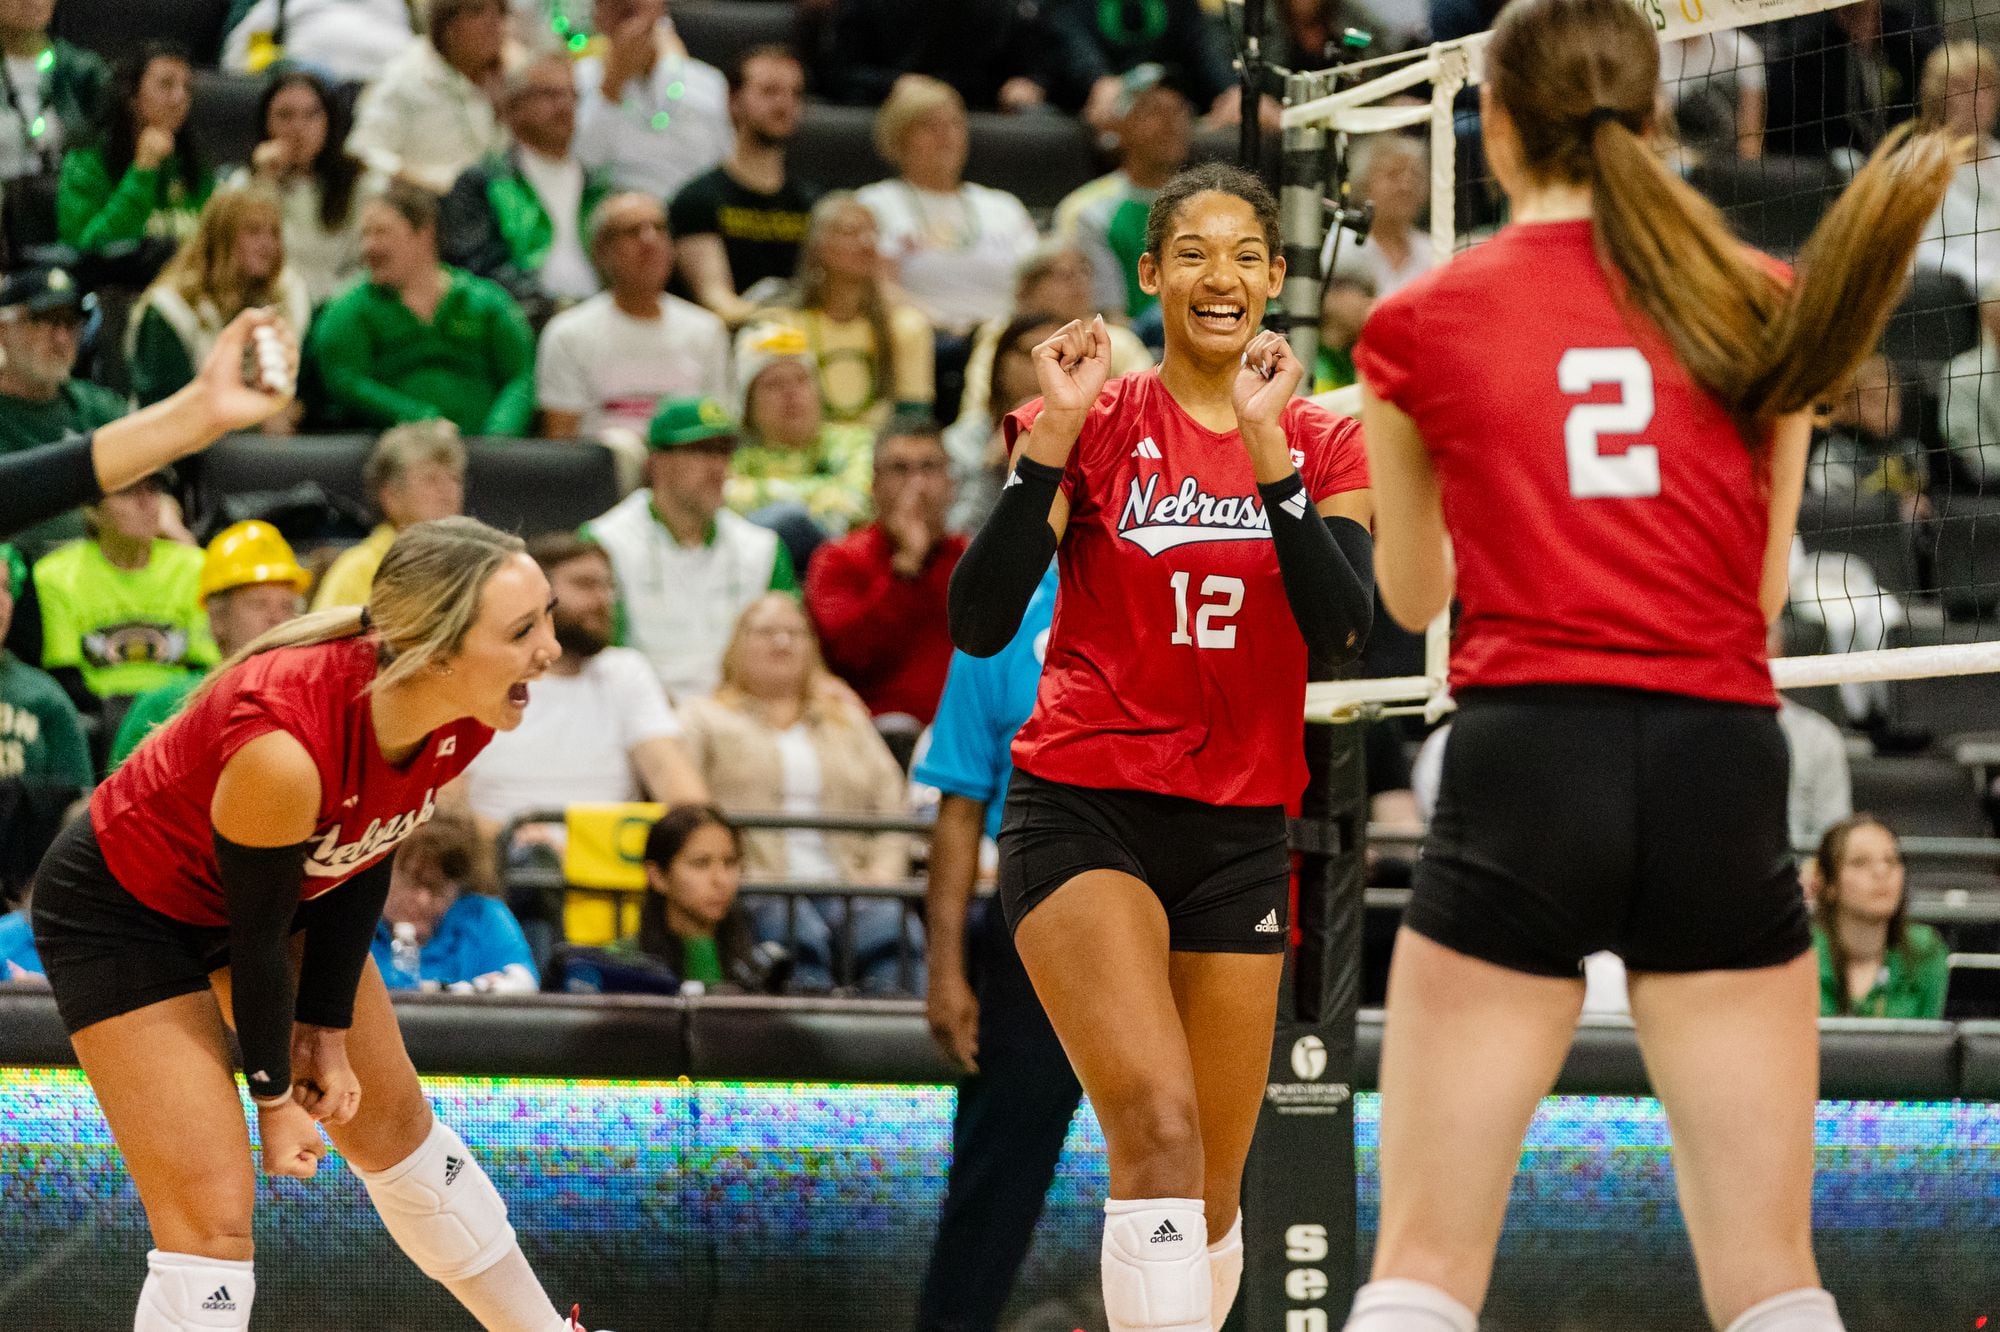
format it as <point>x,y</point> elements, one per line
<point>1600,418</point>
<point>250,838</point>
<point>1210,533</point>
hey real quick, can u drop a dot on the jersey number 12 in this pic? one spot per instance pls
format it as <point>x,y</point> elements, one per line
<point>1594,474</point>
<point>1225,599</point>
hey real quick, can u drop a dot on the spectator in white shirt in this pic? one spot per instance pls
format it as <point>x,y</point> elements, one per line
<point>954,245</point>
<point>351,40</point>
<point>1715,85</point>
<point>1393,173</point>
<point>1969,401</point>
<point>604,367</point>
<point>430,114</point>
<point>321,185</point>
<point>686,566</point>
<point>652,115</point>
<point>1961,92</point>
<point>521,217</point>
<point>599,729</point>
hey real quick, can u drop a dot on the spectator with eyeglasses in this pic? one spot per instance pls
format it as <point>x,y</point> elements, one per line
<point>877,596</point>
<point>42,313</point>
<point>522,217</point>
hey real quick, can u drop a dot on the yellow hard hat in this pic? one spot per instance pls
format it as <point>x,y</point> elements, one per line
<point>249,553</point>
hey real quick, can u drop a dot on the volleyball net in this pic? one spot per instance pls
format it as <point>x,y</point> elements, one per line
<point>1767,107</point>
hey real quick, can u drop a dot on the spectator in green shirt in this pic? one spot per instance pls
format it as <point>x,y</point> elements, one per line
<point>250,584</point>
<point>120,609</point>
<point>419,340</point>
<point>690,919</point>
<point>58,88</point>
<point>41,734</point>
<point>144,178</point>
<point>41,311</point>
<point>1874,961</point>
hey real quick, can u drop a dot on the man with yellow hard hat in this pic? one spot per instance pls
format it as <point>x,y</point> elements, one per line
<point>251,583</point>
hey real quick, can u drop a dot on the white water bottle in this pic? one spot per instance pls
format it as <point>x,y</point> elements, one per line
<point>405,956</point>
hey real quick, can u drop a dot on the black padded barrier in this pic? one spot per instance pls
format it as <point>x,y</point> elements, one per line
<point>884,1040</point>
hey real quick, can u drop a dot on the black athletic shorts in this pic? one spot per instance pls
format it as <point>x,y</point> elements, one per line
<point>1222,872</point>
<point>1575,819</point>
<point>106,952</point>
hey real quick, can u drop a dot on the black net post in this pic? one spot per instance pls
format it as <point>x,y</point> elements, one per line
<point>1299,1207</point>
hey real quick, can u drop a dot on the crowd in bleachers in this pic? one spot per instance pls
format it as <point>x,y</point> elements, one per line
<point>774,269</point>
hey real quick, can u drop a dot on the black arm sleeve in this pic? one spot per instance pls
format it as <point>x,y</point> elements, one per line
<point>260,887</point>
<point>1328,565</point>
<point>338,935</point>
<point>37,484</point>
<point>996,577</point>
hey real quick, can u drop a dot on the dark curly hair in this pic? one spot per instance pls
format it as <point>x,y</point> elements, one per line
<point>1219,178</point>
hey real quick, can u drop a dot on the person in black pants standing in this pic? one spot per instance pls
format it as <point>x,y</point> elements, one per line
<point>1015,1105</point>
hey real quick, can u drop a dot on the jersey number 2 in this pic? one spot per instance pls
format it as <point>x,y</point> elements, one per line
<point>1229,599</point>
<point>1593,474</point>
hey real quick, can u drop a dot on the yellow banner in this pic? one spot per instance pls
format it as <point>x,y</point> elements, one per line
<point>607,844</point>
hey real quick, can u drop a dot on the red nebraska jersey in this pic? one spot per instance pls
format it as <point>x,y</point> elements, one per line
<point>1607,517</point>
<point>1174,664</point>
<point>152,815</point>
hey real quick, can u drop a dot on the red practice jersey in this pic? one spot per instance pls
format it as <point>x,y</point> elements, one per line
<point>1607,517</point>
<point>152,815</point>
<point>1174,664</point>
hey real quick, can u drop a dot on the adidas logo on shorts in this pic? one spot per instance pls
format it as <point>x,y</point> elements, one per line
<point>1270,925</point>
<point>452,1166</point>
<point>1166,1234</point>
<point>219,1302</point>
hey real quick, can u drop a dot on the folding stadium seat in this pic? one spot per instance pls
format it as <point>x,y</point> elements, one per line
<point>1936,320</point>
<point>834,147</point>
<point>1774,202</point>
<point>719,31</point>
<point>113,28</point>
<point>1039,159</point>
<point>225,115</point>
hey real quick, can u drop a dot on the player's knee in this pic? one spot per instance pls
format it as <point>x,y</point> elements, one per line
<point>213,1221</point>
<point>441,1208</point>
<point>1159,1130</point>
<point>186,1292</point>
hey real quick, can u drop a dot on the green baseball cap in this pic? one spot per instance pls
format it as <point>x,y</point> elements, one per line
<point>690,420</point>
<point>16,570</point>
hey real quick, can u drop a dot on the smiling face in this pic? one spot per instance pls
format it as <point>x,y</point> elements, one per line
<point>510,643</point>
<point>396,252</point>
<point>1214,274</point>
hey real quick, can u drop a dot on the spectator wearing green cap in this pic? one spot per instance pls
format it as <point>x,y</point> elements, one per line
<point>41,733</point>
<point>41,312</point>
<point>686,566</point>
<point>420,340</point>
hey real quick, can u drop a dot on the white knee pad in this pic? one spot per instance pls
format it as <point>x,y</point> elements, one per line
<point>1225,1271</point>
<point>1808,1310</point>
<point>1396,1305</point>
<point>442,1210</point>
<point>185,1292</point>
<point>1155,1265</point>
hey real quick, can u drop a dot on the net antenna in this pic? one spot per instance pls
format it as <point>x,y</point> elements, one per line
<point>1325,110</point>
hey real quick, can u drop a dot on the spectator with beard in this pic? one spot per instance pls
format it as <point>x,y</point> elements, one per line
<point>42,312</point>
<point>600,730</point>
<point>877,596</point>
<point>522,217</point>
<point>740,226</point>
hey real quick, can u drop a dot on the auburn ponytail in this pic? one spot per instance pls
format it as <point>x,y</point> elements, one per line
<point>1578,80</point>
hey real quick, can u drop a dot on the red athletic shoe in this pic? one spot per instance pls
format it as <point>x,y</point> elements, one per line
<point>576,1319</point>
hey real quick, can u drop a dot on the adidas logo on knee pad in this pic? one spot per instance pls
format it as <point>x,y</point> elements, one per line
<point>219,1302</point>
<point>1166,1234</point>
<point>452,1166</point>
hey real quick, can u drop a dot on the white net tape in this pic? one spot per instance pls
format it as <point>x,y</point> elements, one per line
<point>1373,106</point>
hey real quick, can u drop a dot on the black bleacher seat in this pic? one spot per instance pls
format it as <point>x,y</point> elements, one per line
<point>528,486</point>
<point>1773,202</point>
<point>1936,320</point>
<point>113,28</point>
<point>1868,526</point>
<point>1919,797</point>
<point>719,31</point>
<point>225,111</point>
<point>1966,554</point>
<point>532,486</point>
<point>1038,158</point>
